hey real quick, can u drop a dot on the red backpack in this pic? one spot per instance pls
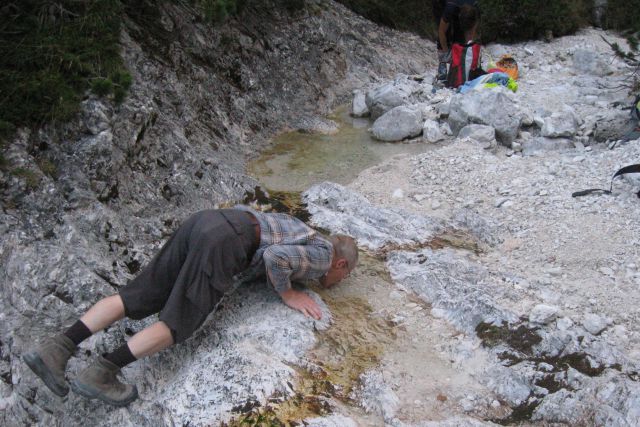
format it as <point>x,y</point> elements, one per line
<point>465,64</point>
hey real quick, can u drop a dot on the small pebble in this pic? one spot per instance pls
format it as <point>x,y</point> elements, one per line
<point>606,271</point>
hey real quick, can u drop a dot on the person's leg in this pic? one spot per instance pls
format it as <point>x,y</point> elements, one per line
<point>49,359</point>
<point>151,340</point>
<point>103,313</point>
<point>147,342</point>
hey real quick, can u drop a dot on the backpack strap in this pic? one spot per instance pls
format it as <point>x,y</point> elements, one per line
<point>622,171</point>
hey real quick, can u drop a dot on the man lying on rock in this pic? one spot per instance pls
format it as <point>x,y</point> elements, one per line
<point>185,281</point>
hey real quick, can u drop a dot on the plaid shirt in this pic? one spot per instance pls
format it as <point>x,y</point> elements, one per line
<point>289,250</point>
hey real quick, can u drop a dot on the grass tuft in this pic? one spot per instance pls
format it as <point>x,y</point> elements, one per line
<point>31,178</point>
<point>51,53</point>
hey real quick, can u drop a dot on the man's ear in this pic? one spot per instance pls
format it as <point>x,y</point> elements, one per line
<point>341,263</point>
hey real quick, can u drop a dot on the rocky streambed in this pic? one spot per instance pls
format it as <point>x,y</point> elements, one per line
<point>510,301</point>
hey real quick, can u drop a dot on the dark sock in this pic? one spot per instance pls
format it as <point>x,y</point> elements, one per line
<point>121,357</point>
<point>78,332</point>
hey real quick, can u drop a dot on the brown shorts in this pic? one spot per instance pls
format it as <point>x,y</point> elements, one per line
<point>187,278</point>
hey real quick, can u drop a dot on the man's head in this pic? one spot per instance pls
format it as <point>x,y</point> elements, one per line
<point>468,18</point>
<point>345,259</point>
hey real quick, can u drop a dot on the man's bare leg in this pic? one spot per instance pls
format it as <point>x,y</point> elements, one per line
<point>151,340</point>
<point>103,313</point>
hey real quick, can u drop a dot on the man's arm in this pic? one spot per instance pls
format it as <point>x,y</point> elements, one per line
<point>282,261</point>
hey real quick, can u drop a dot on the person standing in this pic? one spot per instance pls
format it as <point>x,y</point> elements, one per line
<point>447,18</point>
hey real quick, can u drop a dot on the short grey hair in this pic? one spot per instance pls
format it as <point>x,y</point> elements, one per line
<point>345,247</point>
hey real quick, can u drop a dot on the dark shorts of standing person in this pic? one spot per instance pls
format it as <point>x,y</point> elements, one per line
<point>187,278</point>
<point>449,9</point>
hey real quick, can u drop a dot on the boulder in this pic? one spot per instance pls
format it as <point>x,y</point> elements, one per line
<point>431,131</point>
<point>487,107</point>
<point>485,135</point>
<point>560,124</point>
<point>359,105</point>
<point>594,323</point>
<point>388,96</point>
<point>399,123</point>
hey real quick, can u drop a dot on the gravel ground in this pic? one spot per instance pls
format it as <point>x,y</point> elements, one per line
<point>579,256</point>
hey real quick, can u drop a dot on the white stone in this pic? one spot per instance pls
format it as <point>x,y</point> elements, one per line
<point>588,61</point>
<point>543,314</point>
<point>431,131</point>
<point>397,124</point>
<point>438,313</point>
<point>564,323</point>
<point>359,105</point>
<point>485,135</point>
<point>488,107</point>
<point>594,323</point>
<point>607,271</point>
<point>560,124</point>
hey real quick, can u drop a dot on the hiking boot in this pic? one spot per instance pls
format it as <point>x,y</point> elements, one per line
<point>49,361</point>
<point>98,381</point>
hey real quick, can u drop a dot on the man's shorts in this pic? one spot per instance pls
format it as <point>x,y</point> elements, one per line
<point>188,277</point>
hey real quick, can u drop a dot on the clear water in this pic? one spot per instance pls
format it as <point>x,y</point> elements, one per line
<point>296,161</point>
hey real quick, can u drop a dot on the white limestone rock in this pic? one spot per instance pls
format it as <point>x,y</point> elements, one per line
<point>590,62</point>
<point>388,96</point>
<point>333,420</point>
<point>493,107</point>
<point>376,396</point>
<point>560,124</point>
<point>431,131</point>
<point>341,210</point>
<point>485,135</point>
<point>359,106</point>
<point>594,324</point>
<point>543,314</point>
<point>398,124</point>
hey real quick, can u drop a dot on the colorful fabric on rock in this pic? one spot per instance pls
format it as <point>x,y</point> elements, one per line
<point>490,80</point>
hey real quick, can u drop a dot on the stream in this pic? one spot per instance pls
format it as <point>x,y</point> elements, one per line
<point>376,327</point>
<point>295,160</point>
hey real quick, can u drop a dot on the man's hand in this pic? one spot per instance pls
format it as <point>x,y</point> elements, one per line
<point>302,302</point>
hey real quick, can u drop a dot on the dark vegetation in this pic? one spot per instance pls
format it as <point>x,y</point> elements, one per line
<point>51,53</point>
<point>504,20</point>
<point>518,345</point>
